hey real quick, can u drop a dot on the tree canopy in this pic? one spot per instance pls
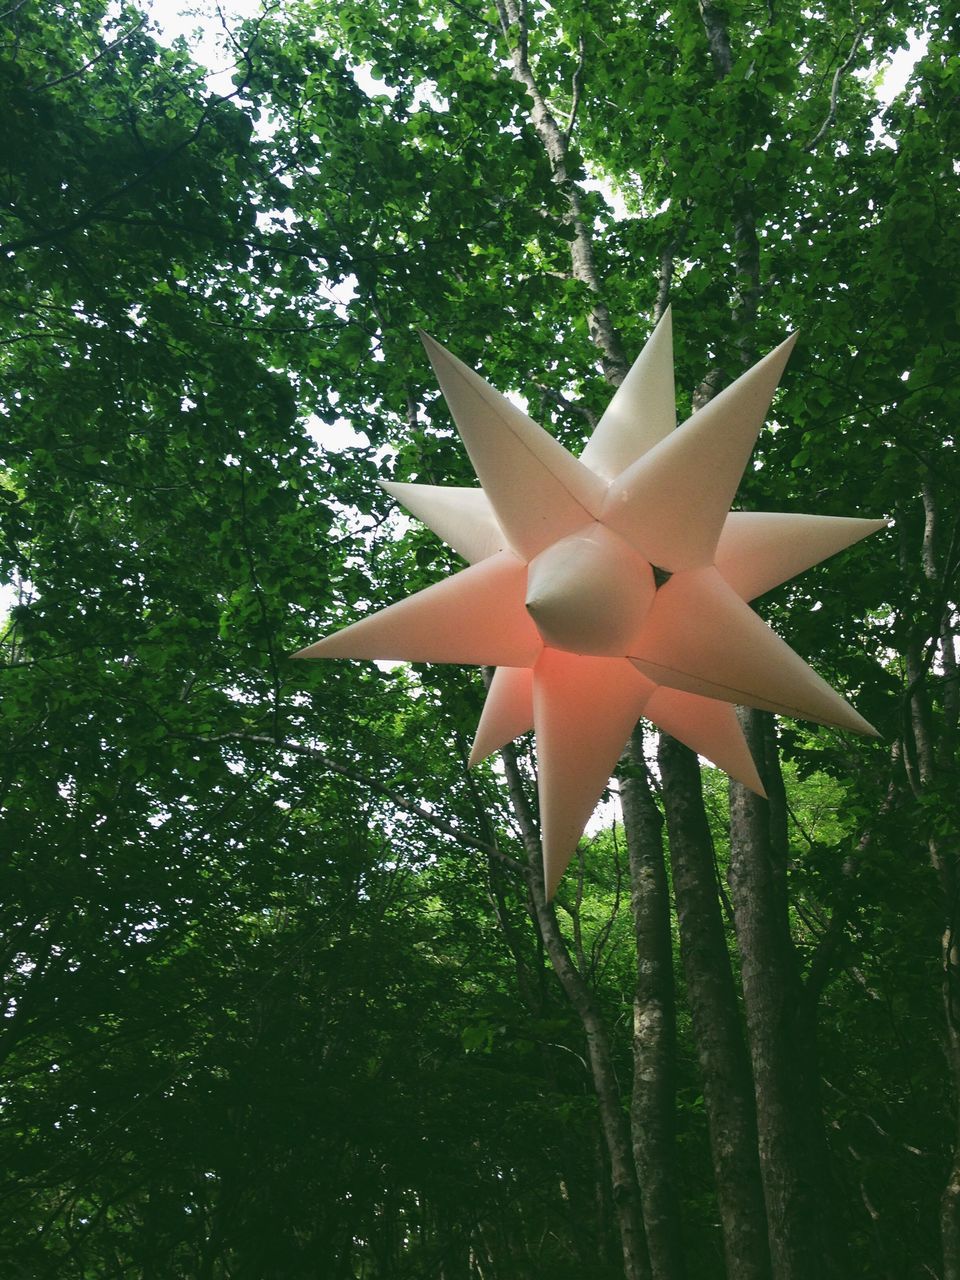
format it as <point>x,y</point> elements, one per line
<point>283,996</point>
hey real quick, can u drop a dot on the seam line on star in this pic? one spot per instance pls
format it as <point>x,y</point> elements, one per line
<point>523,444</point>
<point>787,709</point>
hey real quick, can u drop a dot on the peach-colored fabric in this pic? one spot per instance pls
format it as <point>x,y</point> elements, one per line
<point>701,637</point>
<point>760,549</point>
<point>463,518</point>
<point>538,490</point>
<point>672,503</point>
<point>477,616</point>
<point>642,412</point>
<point>583,711</point>
<point>507,711</point>
<point>589,593</point>
<point>583,639</point>
<point>708,727</point>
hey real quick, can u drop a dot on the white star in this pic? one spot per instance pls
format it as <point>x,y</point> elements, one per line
<point>561,595</point>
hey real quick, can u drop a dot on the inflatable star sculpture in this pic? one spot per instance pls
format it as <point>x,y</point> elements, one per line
<point>610,587</point>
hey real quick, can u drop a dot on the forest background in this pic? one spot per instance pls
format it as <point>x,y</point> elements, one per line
<point>282,994</point>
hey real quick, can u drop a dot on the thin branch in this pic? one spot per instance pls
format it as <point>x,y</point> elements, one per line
<point>72,75</point>
<point>800,827</point>
<point>261,600</point>
<point>504,21</point>
<point>577,90</point>
<point>373,784</point>
<point>835,89</point>
<point>472,13</point>
<point>568,406</point>
<point>600,942</point>
<point>824,958</point>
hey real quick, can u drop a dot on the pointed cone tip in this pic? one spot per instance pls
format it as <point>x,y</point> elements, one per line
<point>551,882</point>
<point>785,348</point>
<point>756,786</point>
<point>431,343</point>
<point>315,650</point>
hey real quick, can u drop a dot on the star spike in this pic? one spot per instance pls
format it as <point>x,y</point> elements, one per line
<point>701,637</point>
<point>760,549</point>
<point>584,710</point>
<point>477,617</point>
<point>507,712</point>
<point>538,490</point>
<point>709,728</point>
<point>706,726</point>
<point>642,412</point>
<point>696,469</point>
<point>462,518</point>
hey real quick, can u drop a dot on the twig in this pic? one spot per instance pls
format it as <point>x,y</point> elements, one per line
<point>71,75</point>
<point>577,90</point>
<point>90,213</point>
<point>408,806</point>
<point>472,13</point>
<point>835,89</point>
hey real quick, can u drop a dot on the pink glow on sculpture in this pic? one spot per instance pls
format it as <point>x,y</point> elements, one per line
<point>561,598</point>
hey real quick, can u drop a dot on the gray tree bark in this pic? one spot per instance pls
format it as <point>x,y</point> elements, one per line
<point>929,756</point>
<point>613,1121</point>
<point>653,1103</point>
<point>712,995</point>
<point>794,1158</point>
<point>652,1158</point>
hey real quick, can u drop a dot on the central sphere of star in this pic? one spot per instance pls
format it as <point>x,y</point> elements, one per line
<point>590,592</point>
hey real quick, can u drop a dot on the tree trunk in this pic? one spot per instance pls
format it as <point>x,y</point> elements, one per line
<point>556,143</point>
<point>613,1121</point>
<point>653,1102</point>
<point>950,1199</point>
<point>712,996</point>
<point>653,1106</point>
<point>792,1147</point>
<point>928,758</point>
<point>794,1159</point>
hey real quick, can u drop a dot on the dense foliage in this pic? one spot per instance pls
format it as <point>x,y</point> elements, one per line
<point>281,996</point>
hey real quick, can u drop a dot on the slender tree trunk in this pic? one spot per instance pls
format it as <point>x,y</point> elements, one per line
<point>652,1157</point>
<point>613,1121</point>
<point>794,1159</point>
<point>946,860</point>
<point>556,141</point>
<point>950,1199</point>
<point>929,757</point>
<point>793,1151</point>
<point>653,1106</point>
<point>711,992</point>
